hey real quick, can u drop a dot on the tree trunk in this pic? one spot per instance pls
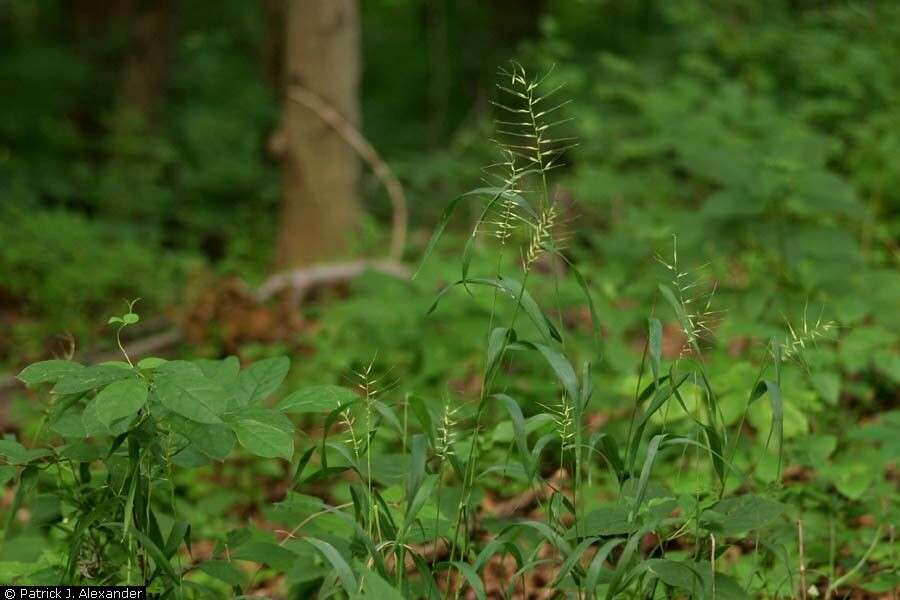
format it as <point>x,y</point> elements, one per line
<point>144,69</point>
<point>274,13</point>
<point>319,211</point>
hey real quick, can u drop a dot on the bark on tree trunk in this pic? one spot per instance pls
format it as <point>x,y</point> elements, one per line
<point>144,69</point>
<point>274,13</point>
<point>319,209</point>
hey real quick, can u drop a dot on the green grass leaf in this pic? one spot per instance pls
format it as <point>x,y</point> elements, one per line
<point>654,345</point>
<point>512,289</point>
<point>518,423</point>
<point>774,391</point>
<point>376,588</point>
<point>562,368</point>
<point>472,578</point>
<point>345,574</point>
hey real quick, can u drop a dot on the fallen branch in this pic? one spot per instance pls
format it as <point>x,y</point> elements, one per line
<point>300,281</point>
<point>367,152</point>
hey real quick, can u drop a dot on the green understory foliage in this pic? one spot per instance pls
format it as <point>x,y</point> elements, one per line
<point>688,493</point>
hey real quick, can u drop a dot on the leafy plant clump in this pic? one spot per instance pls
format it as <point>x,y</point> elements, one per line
<point>108,493</point>
<point>398,497</point>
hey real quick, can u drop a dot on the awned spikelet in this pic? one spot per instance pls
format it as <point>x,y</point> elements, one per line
<point>526,135</point>
<point>529,125</point>
<point>541,236</point>
<point>694,298</point>
<point>564,418</point>
<point>805,335</point>
<point>507,176</point>
<point>446,431</point>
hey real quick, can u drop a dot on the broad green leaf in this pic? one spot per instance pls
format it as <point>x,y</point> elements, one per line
<point>732,516</point>
<point>223,571</point>
<point>266,553</point>
<point>259,380</point>
<point>16,454</point>
<point>90,378</point>
<point>118,400</point>
<point>224,371</point>
<point>851,475</point>
<point>7,473</point>
<point>676,574</point>
<point>48,371</point>
<point>264,432</point>
<point>151,362</point>
<point>186,391</point>
<point>726,587</point>
<point>316,399</point>
<point>215,441</point>
<point>609,520</point>
<point>81,451</point>
<point>69,423</point>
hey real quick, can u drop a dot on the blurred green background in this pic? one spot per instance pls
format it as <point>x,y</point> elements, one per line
<point>136,161</point>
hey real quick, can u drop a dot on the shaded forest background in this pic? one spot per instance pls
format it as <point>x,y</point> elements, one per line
<point>141,151</point>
